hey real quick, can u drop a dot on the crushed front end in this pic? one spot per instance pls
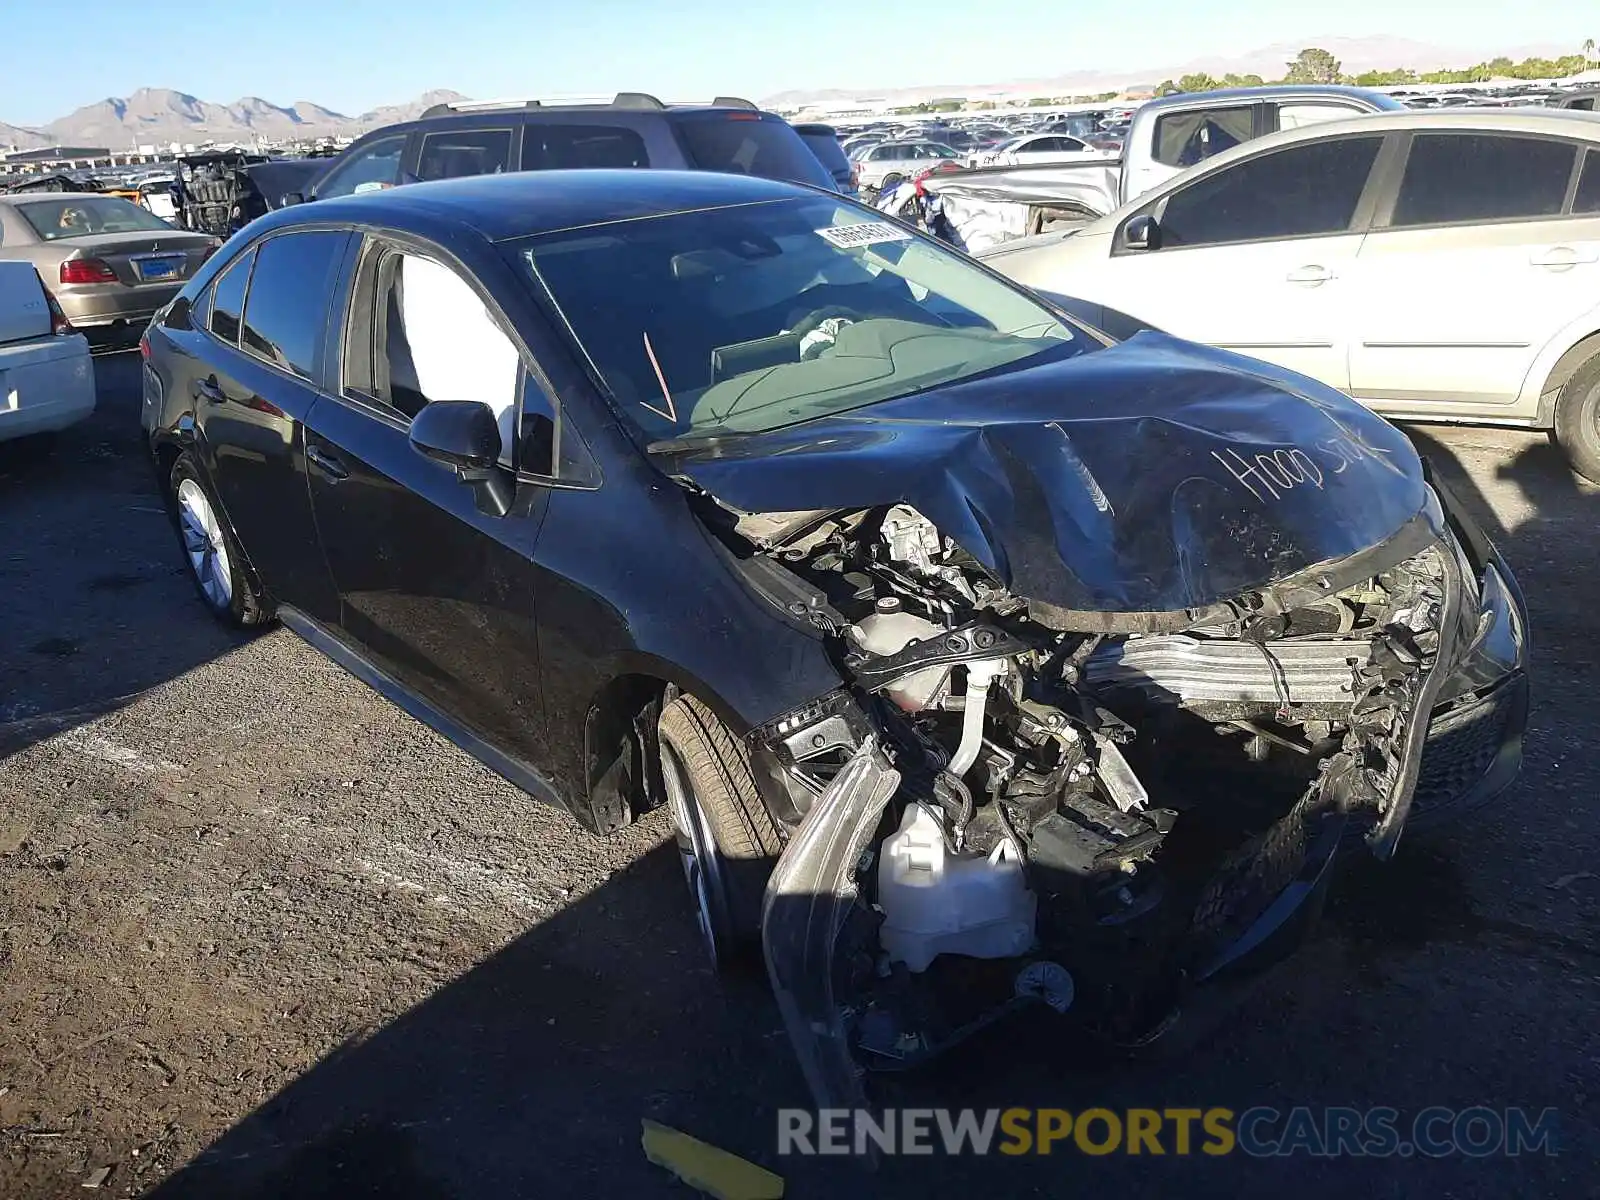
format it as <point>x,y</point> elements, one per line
<point>1014,804</point>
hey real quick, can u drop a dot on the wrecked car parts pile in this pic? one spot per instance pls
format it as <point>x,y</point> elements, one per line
<point>1031,809</point>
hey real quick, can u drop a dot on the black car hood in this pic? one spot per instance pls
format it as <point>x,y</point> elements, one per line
<point>1153,476</point>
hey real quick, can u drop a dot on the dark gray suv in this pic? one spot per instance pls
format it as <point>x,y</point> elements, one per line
<point>632,130</point>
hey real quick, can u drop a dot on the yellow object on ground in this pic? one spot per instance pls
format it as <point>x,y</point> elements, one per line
<point>706,1168</point>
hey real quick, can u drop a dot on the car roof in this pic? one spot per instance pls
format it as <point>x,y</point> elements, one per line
<point>46,197</point>
<point>525,203</point>
<point>1555,122</point>
<point>1276,91</point>
<point>493,115</point>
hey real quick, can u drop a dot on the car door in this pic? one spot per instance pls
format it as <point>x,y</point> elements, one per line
<point>1252,257</point>
<point>1472,266</point>
<point>264,321</point>
<point>437,594</point>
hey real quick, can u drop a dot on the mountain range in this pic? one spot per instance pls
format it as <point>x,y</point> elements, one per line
<point>1356,54</point>
<point>161,115</point>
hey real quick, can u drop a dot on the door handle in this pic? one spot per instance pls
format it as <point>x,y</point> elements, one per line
<point>1310,276</point>
<point>210,391</point>
<point>1562,258</point>
<point>327,464</point>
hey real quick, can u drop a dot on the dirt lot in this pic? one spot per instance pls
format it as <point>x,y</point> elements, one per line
<point>263,936</point>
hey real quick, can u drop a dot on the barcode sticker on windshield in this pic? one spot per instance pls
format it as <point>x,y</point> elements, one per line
<point>867,233</point>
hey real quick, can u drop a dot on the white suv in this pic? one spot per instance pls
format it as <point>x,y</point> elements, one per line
<point>1439,266</point>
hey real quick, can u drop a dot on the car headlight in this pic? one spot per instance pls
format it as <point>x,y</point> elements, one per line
<point>1498,645</point>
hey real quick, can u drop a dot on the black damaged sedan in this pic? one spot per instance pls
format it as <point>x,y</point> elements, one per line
<point>984,662</point>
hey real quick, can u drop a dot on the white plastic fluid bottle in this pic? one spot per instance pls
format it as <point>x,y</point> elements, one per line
<point>937,902</point>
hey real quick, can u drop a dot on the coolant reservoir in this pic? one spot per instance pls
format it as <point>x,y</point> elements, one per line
<point>890,630</point>
<point>935,902</point>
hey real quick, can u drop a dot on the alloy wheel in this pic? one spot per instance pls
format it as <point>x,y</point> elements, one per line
<point>204,544</point>
<point>697,849</point>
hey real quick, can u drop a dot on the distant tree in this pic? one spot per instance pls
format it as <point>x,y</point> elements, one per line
<point>1231,80</point>
<point>1386,78</point>
<point>1102,97</point>
<point>1588,50</point>
<point>1167,88</point>
<point>1198,82</point>
<point>1313,66</point>
<point>1041,102</point>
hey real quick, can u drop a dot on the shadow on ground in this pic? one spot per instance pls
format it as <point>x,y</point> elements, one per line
<point>99,603</point>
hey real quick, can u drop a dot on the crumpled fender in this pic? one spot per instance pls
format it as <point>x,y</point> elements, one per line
<point>808,898</point>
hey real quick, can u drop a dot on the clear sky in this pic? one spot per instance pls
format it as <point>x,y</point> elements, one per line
<point>353,55</point>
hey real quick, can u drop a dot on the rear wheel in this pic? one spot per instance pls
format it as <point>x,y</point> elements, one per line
<point>215,564</point>
<point>727,840</point>
<point>1577,425</point>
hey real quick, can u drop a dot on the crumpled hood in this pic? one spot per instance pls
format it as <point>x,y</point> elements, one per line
<point>1153,476</point>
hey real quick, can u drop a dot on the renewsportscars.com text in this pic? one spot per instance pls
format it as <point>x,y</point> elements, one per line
<point>1262,1132</point>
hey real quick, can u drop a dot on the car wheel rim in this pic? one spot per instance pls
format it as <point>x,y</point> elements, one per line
<point>204,544</point>
<point>697,848</point>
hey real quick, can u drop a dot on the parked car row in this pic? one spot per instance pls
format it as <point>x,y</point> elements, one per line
<point>1435,265</point>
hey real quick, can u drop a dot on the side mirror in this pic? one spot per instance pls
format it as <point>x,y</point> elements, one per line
<point>465,435</point>
<point>1141,233</point>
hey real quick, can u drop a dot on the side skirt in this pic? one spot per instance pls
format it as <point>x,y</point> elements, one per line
<point>513,770</point>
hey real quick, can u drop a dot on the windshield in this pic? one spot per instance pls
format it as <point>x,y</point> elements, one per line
<point>764,315</point>
<point>81,215</point>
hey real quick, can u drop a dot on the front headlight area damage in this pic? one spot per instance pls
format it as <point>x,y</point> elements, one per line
<point>1004,811</point>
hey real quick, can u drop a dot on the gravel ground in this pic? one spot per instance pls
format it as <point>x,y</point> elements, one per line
<point>263,936</point>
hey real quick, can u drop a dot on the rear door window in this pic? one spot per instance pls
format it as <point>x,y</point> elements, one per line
<point>227,299</point>
<point>747,143</point>
<point>288,302</point>
<point>561,147</point>
<point>1302,191</point>
<point>453,153</point>
<point>1460,177</point>
<point>1185,138</point>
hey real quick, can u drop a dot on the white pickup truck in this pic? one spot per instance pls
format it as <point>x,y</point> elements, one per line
<point>46,378</point>
<point>1166,136</point>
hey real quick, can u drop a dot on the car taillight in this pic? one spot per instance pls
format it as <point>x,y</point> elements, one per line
<point>87,270</point>
<point>59,325</point>
<point>855,175</point>
<point>144,345</point>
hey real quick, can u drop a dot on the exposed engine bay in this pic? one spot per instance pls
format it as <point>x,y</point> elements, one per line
<point>1031,812</point>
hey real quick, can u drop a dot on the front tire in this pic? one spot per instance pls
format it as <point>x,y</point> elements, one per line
<point>1577,424</point>
<point>727,840</point>
<point>216,566</point>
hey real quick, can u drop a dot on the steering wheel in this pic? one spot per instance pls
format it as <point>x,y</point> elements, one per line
<point>813,319</point>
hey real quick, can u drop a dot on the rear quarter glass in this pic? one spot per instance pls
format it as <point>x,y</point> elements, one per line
<point>749,143</point>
